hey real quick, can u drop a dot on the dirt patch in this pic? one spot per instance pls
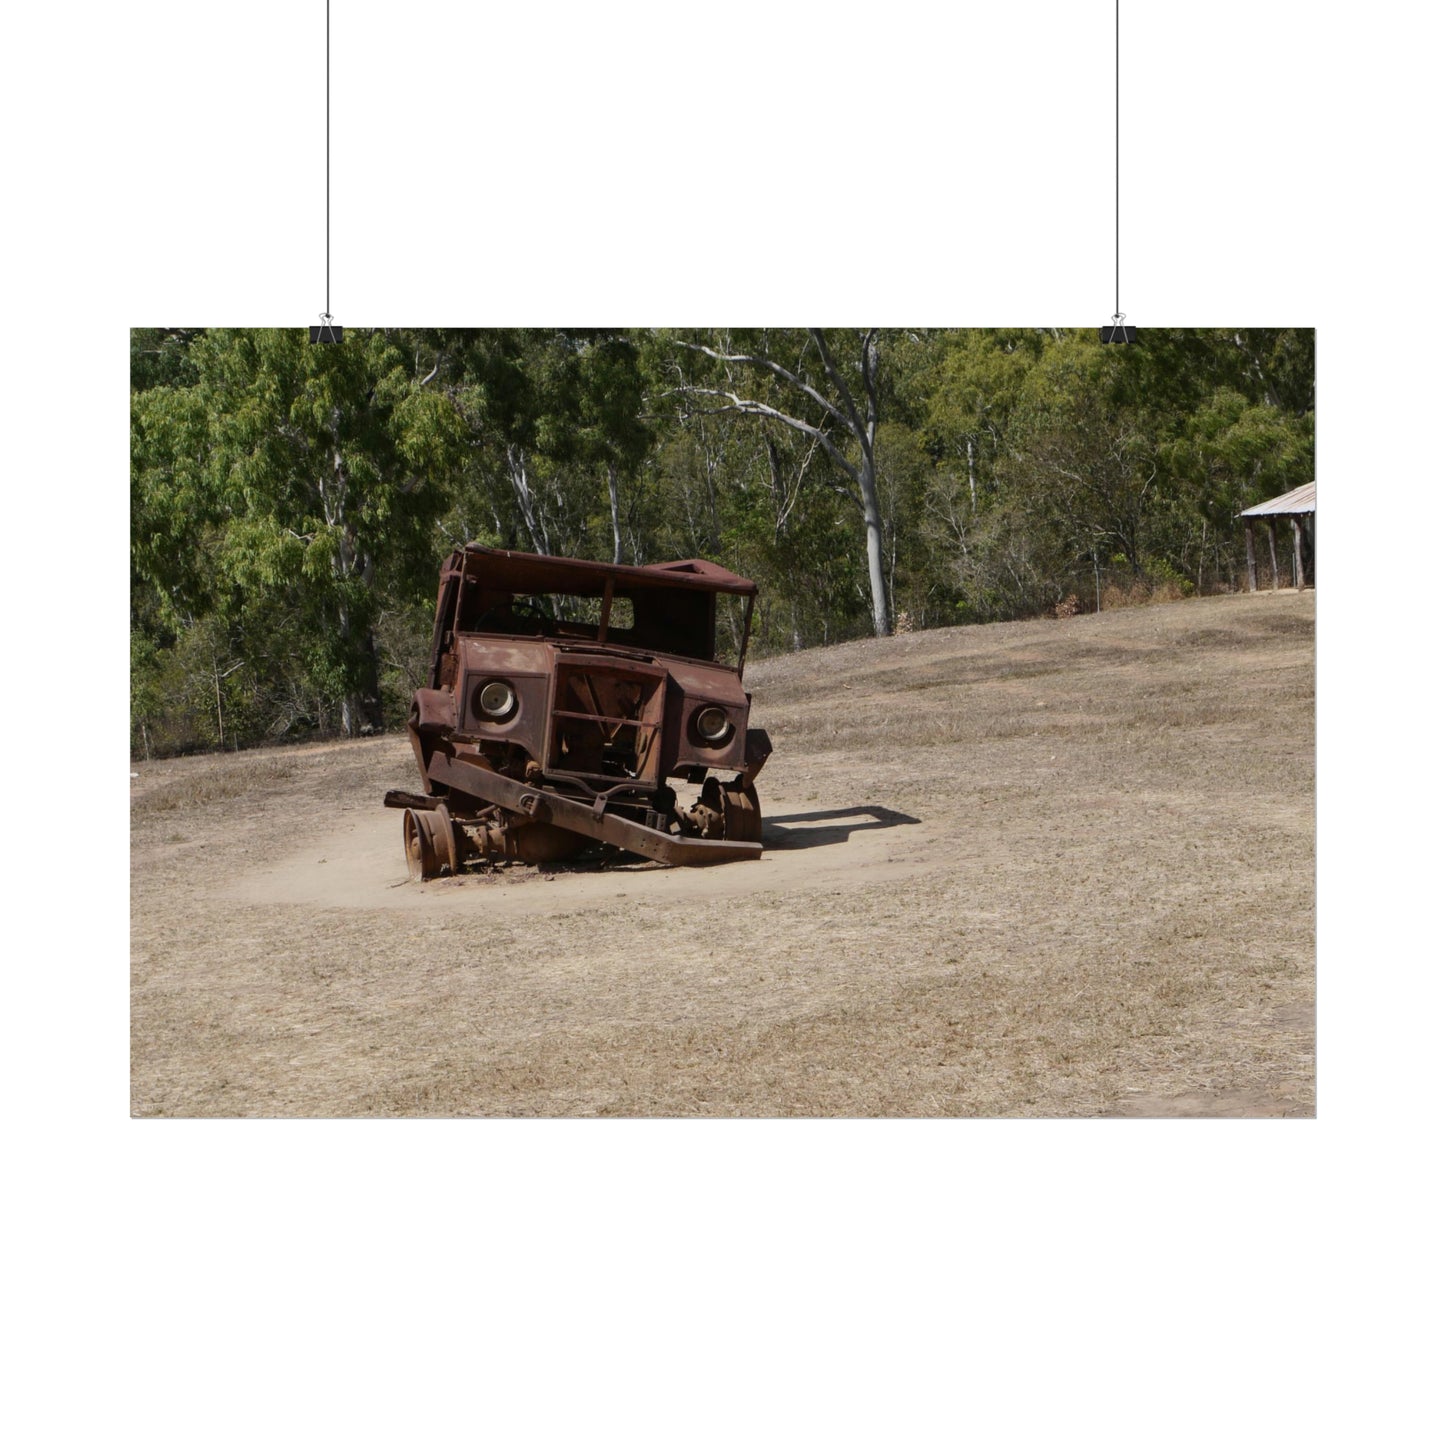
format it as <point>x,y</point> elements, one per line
<point>1034,869</point>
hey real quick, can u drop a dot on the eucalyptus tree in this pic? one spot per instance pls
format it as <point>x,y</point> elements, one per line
<point>1232,413</point>
<point>548,415</point>
<point>504,396</point>
<point>970,383</point>
<point>1083,455</point>
<point>829,390</point>
<point>290,471</point>
<point>612,435</point>
<point>160,356</point>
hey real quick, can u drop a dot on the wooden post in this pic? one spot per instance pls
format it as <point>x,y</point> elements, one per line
<point>1273,560</point>
<point>1299,560</point>
<point>1249,549</point>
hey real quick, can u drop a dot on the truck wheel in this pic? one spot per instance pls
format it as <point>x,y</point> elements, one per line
<point>430,843</point>
<point>742,817</point>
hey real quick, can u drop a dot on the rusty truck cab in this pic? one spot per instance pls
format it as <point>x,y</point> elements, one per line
<point>565,700</point>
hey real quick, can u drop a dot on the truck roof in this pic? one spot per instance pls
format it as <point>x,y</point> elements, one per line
<point>530,572</point>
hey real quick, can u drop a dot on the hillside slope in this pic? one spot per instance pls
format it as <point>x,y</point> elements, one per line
<point>1043,868</point>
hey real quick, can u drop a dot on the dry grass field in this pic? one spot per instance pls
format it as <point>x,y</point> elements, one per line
<point>1055,868</point>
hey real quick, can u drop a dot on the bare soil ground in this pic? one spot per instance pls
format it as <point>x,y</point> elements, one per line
<point>1033,869</point>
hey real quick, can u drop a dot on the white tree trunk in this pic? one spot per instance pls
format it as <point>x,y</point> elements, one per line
<point>616,516</point>
<point>843,410</point>
<point>873,529</point>
<point>350,701</point>
<point>526,502</point>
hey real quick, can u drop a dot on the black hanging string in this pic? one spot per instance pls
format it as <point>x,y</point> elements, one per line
<point>1117,331</point>
<point>328,330</point>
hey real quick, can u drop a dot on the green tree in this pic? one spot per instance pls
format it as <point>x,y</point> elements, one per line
<point>830,390</point>
<point>290,503</point>
<point>288,470</point>
<point>612,436</point>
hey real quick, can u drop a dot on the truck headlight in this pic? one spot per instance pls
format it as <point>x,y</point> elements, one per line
<point>712,724</point>
<point>496,699</point>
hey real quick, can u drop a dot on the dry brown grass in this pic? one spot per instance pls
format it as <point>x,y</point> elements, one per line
<point>1105,907</point>
<point>202,781</point>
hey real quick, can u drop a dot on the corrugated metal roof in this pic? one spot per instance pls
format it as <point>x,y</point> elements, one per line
<point>1302,499</point>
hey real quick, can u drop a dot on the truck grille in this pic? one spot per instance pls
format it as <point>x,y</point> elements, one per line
<point>606,720</point>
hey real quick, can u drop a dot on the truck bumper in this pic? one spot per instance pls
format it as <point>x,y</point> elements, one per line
<point>478,781</point>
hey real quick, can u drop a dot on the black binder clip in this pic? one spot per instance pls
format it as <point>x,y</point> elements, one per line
<point>327,331</point>
<point>1118,333</point>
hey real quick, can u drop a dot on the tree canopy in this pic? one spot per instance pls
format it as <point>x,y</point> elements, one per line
<point>291,503</point>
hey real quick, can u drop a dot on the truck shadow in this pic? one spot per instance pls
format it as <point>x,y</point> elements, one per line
<point>833,825</point>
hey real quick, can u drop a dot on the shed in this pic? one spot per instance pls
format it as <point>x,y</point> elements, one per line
<point>1299,507</point>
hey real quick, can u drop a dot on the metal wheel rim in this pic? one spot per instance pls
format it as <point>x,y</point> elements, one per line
<point>742,815</point>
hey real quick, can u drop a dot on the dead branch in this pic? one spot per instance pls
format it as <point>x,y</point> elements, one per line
<point>779,371</point>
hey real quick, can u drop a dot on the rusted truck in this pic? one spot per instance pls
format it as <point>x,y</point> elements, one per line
<point>567,702</point>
